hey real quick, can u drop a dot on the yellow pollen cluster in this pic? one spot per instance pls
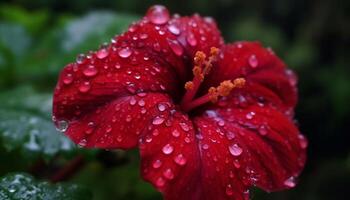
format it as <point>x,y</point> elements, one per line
<point>225,88</point>
<point>189,85</point>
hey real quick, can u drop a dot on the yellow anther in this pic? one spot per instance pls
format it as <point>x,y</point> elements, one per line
<point>213,95</point>
<point>239,82</point>
<point>189,85</point>
<point>199,58</point>
<point>225,88</point>
<point>214,51</point>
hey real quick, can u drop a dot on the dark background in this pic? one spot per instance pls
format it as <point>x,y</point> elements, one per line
<point>38,37</point>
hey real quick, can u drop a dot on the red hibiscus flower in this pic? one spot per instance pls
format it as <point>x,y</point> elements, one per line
<point>210,119</point>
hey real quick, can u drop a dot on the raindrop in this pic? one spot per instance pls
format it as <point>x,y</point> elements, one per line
<point>230,135</point>
<point>250,115</point>
<point>191,40</point>
<point>143,36</point>
<point>174,29</point>
<point>253,61</point>
<point>221,123</point>
<point>168,173</point>
<point>62,126</point>
<point>124,52</point>
<point>235,150</point>
<point>158,14</point>
<point>68,79</point>
<point>158,120</point>
<point>117,66</point>
<point>161,107</point>
<point>90,71</point>
<point>168,149</point>
<point>155,132</point>
<point>262,130</point>
<point>180,159</point>
<point>132,101</point>
<point>156,164</point>
<point>160,182</point>
<point>205,146</point>
<point>229,190</point>
<point>303,141</point>
<point>90,128</point>
<point>85,87</point>
<point>82,143</point>
<point>290,182</point>
<point>141,102</point>
<point>175,133</point>
<point>80,58</point>
<point>176,47</point>
<point>184,126</point>
<point>102,53</point>
<point>108,128</point>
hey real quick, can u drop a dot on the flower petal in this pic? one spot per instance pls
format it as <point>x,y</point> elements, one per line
<point>267,79</point>
<point>147,58</point>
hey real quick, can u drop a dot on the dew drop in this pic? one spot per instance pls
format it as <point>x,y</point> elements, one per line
<point>253,61</point>
<point>176,47</point>
<point>124,52</point>
<point>184,126</point>
<point>158,14</point>
<point>156,164</point>
<point>168,149</point>
<point>230,135</point>
<point>180,159</point>
<point>141,102</point>
<point>80,58</point>
<point>68,79</point>
<point>108,128</point>
<point>132,101</point>
<point>85,87</point>
<point>250,115</point>
<point>191,40</point>
<point>62,126</point>
<point>292,77</point>
<point>90,71</point>
<point>160,182</point>
<point>158,120</point>
<point>143,36</point>
<point>290,182</point>
<point>90,128</point>
<point>262,130</point>
<point>303,141</point>
<point>168,173</point>
<point>161,107</point>
<point>117,66</point>
<point>205,146</point>
<point>155,132</point>
<point>82,143</point>
<point>174,29</point>
<point>221,123</point>
<point>235,150</point>
<point>102,53</point>
<point>229,190</point>
<point>175,133</point>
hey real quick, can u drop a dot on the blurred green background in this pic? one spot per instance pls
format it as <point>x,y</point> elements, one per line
<point>38,37</point>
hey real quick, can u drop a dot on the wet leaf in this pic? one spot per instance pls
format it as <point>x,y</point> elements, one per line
<point>21,186</point>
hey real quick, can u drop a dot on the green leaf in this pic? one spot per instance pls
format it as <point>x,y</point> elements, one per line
<point>21,186</point>
<point>25,125</point>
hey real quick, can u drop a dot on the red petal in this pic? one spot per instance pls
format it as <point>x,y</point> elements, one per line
<point>267,78</point>
<point>147,58</point>
<point>170,157</point>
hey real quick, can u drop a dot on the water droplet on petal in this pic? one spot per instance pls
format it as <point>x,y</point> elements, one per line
<point>229,190</point>
<point>290,182</point>
<point>176,47</point>
<point>205,146</point>
<point>184,126</point>
<point>174,29</point>
<point>156,164</point>
<point>143,36</point>
<point>160,182</point>
<point>68,79</point>
<point>168,173</point>
<point>80,58</point>
<point>303,141</point>
<point>124,52</point>
<point>90,128</point>
<point>132,101</point>
<point>82,143</point>
<point>90,71</point>
<point>168,149</point>
<point>158,120</point>
<point>62,126</point>
<point>262,130</point>
<point>235,150</point>
<point>191,40</point>
<point>85,87</point>
<point>158,14</point>
<point>253,61</point>
<point>161,107</point>
<point>175,133</point>
<point>102,53</point>
<point>180,159</point>
<point>250,115</point>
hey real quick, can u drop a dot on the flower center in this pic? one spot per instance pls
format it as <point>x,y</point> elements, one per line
<point>202,67</point>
